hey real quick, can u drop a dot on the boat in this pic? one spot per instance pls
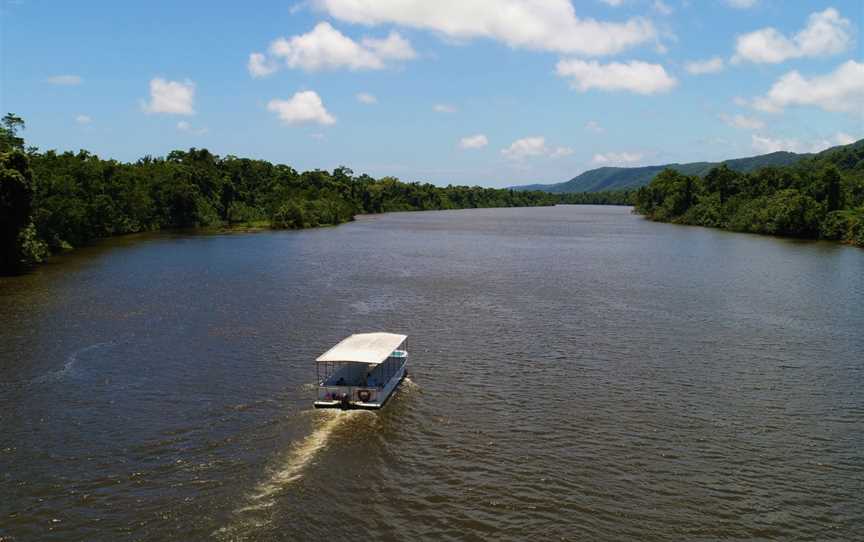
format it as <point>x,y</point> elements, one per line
<point>362,371</point>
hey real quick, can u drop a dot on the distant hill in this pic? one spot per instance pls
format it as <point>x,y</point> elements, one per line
<point>618,178</point>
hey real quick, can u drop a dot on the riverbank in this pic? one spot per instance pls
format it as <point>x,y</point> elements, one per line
<point>63,201</point>
<point>818,198</point>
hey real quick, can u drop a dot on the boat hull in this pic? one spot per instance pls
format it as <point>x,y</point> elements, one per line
<point>382,395</point>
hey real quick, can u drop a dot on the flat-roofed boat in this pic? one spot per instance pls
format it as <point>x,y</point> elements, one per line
<point>362,371</point>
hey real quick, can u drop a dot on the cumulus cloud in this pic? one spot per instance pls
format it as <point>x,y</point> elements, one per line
<point>742,4</point>
<point>187,128</point>
<point>635,76</point>
<point>766,144</point>
<point>560,152</point>
<point>844,138</point>
<point>839,91</point>
<point>617,158</point>
<point>260,66</point>
<point>741,121</point>
<point>325,48</point>
<point>662,8</point>
<point>534,146</point>
<point>444,108</point>
<point>366,98</point>
<point>303,107</point>
<point>171,97</point>
<point>594,126</point>
<point>473,142</point>
<point>65,80</point>
<point>526,147</point>
<point>701,67</point>
<point>551,25</point>
<point>83,119</point>
<point>826,33</point>
<point>613,3</point>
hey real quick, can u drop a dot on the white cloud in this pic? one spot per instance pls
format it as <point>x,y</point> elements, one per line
<point>844,139</point>
<point>473,142</point>
<point>185,127</point>
<point>826,33</point>
<point>393,47</point>
<point>594,126</point>
<point>560,152</point>
<point>742,4</point>
<point>325,48</point>
<point>305,106</point>
<point>533,147</point>
<point>444,108</point>
<point>83,119</point>
<point>742,121</point>
<point>171,97</point>
<point>526,147</point>
<point>613,3</point>
<point>840,91</point>
<point>700,67</point>
<point>65,80</point>
<point>550,25</point>
<point>366,98</point>
<point>662,8</point>
<point>617,158</point>
<point>260,66</point>
<point>766,144</point>
<point>634,76</point>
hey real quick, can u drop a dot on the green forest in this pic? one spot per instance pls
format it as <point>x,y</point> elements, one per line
<point>52,201</point>
<point>818,197</point>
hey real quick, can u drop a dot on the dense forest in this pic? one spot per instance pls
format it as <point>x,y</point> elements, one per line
<point>52,201</point>
<point>630,178</point>
<point>818,197</point>
<point>609,197</point>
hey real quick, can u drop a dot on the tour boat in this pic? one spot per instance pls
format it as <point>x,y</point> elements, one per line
<point>361,371</point>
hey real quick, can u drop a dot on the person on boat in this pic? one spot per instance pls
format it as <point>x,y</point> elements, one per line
<point>371,381</point>
<point>340,382</point>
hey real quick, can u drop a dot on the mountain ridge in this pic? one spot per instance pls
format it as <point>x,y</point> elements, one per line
<point>619,178</point>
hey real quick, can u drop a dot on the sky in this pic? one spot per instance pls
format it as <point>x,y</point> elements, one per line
<point>479,92</point>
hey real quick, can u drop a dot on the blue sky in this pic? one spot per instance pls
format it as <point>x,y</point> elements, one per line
<point>489,92</point>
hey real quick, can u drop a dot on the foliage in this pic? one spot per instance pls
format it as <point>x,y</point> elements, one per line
<point>631,178</point>
<point>819,197</point>
<point>18,245</point>
<point>611,197</point>
<point>54,201</point>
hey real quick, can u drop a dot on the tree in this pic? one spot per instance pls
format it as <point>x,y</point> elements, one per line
<point>831,181</point>
<point>9,126</point>
<point>18,245</point>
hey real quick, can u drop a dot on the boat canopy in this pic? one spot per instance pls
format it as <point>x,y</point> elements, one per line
<point>372,348</point>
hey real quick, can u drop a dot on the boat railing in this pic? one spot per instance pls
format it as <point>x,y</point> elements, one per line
<point>334,393</point>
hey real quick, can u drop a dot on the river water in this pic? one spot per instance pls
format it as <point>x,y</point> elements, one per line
<point>577,373</point>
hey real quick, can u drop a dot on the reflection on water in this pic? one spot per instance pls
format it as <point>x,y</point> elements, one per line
<point>580,374</point>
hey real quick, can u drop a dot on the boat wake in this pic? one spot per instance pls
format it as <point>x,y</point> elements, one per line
<point>289,470</point>
<point>69,365</point>
<point>66,370</point>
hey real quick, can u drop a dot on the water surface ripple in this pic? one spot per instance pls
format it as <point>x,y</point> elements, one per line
<point>577,373</point>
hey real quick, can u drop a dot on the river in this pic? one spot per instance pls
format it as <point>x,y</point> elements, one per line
<point>577,373</point>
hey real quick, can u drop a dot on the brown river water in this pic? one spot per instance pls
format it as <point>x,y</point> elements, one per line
<point>577,373</point>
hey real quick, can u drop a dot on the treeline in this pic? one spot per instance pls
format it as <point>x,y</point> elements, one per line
<point>610,197</point>
<point>819,197</point>
<point>51,201</point>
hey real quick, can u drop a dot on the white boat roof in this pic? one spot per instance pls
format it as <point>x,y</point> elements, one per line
<point>372,348</point>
